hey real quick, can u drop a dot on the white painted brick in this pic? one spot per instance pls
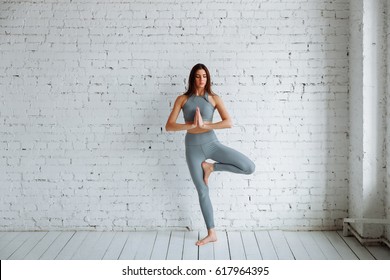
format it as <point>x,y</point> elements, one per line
<point>85,117</point>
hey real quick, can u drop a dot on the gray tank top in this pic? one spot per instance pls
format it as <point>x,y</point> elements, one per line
<point>205,107</point>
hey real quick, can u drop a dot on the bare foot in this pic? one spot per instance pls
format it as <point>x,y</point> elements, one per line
<point>211,237</point>
<point>207,169</point>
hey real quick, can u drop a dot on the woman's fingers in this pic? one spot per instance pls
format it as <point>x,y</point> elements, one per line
<point>196,117</point>
<point>200,119</point>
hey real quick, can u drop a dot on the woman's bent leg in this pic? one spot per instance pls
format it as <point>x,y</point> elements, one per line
<point>230,160</point>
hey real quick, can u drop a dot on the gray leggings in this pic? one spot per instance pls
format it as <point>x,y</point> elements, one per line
<point>200,147</point>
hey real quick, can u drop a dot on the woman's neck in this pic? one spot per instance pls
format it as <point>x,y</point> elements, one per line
<point>200,91</point>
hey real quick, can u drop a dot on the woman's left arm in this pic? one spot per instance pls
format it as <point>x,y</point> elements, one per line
<point>226,121</point>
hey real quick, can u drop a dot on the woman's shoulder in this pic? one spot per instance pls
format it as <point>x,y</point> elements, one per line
<point>181,99</point>
<point>215,97</point>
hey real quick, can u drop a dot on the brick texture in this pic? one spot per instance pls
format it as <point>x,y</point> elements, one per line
<point>86,89</point>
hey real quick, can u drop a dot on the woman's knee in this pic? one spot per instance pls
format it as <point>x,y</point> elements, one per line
<point>203,197</point>
<point>203,190</point>
<point>250,167</point>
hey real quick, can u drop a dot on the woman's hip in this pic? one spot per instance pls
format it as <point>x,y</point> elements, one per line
<point>200,138</point>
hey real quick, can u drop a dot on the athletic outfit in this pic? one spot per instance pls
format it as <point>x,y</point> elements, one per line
<point>202,146</point>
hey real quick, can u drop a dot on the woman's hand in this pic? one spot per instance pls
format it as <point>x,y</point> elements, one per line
<point>195,124</point>
<point>199,119</point>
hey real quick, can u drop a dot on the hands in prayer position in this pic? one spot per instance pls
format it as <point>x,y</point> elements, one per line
<point>198,120</point>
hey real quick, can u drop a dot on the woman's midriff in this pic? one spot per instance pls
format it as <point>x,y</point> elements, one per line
<point>197,130</point>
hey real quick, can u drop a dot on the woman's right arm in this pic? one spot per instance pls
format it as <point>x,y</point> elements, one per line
<point>171,124</point>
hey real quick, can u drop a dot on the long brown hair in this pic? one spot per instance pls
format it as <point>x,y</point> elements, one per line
<point>191,80</point>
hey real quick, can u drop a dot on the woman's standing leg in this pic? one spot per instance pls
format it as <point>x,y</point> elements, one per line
<point>195,157</point>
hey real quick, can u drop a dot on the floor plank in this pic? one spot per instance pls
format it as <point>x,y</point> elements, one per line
<point>42,245</point>
<point>13,245</point>
<point>236,246</point>
<point>326,246</point>
<point>251,248</point>
<point>131,246</point>
<point>161,244</point>
<point>190,250</point>
<point>72,246</point>
<point>206,252</point>
<point>296,246</point>
<point>178,245</point>
<point>6,238</point>
<point>361,252</point>
<point>175,249</point>
<point>266,246</point>
<point>31,242</point>
<point>116,246</point>
<point>311,247</point>
<point>99,249</point>
<point>221,247</point>
<point>280,244</point>
<point>58,244</point>
<point>342,248</point>
<point>379,252</point>
<point>144,251</point>
<point>88,244</point>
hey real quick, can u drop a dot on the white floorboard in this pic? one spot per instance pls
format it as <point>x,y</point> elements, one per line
<point>13,245</point>
<point>42,245</point>
<point>296,246</point>
<point>325,245</point>
<point>312,248</point>
<point>6,238</point>
<point>57,245</point>
<point>116,246</point>
<point>266,246</point>
<point>360,251</point>
<point>342,248</point>
<point>101,246</point>
<point>175,249</point>
<point>177,245</point>
<point>190,251</point>
<point>379,252</point>
<point>131,246</point>
<point>221,247</point>
<point>251,248</point>
<point>161,244</point>
<point>206,252</point>
<point>281,246</point>
<point>88,244</point>
<point>72,246</point>
<point>236,246</point>
<point>144,251</point>
<point>27,246</point>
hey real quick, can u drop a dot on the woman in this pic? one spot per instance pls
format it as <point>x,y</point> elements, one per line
<point>198,105</point>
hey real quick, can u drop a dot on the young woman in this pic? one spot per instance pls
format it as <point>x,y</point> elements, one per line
<point>198,105</point>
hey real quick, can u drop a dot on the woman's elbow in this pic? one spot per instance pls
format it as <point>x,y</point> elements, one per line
<point>168,127</point>
<point>229,123</point>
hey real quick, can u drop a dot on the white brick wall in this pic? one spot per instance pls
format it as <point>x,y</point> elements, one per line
<point>387,189</point>
<point>86,89</point>
<point>356,111</point>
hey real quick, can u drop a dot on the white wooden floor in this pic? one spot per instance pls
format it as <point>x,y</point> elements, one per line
<point>177,245</point>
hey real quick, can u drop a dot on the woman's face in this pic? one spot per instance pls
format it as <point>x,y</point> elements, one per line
<point>200,78</point>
